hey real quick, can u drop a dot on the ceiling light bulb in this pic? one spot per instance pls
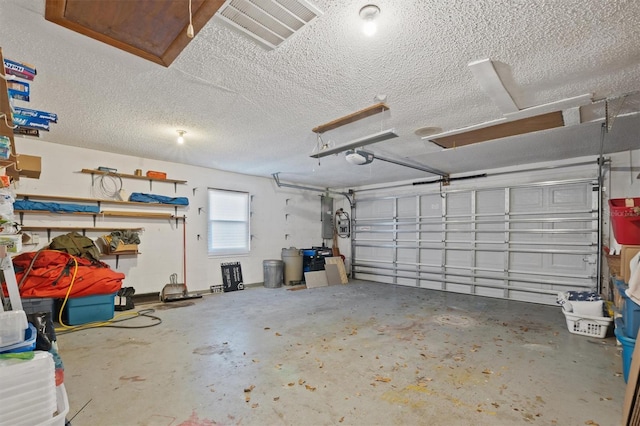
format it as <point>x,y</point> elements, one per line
<point>369,28</point>
<point>369,13</point>
<point>181,136</point>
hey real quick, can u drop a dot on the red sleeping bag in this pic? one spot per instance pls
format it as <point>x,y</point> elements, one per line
<point>52,273</point>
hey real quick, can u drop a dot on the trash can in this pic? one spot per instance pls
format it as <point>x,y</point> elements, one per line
<point>292,258</point>
<point>273,270</point>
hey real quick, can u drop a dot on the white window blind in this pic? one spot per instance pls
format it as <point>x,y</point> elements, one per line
<point>229,230</point>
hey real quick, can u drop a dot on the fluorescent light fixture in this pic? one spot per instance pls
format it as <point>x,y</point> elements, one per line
<point>356,143</point>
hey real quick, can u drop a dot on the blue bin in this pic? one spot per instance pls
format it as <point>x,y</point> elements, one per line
<point>83,310</point>
<point>630,312</point>
<point>628,345</point>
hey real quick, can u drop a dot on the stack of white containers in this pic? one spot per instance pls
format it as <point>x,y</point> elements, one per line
<point>13,325</point>
<point>28,392</point>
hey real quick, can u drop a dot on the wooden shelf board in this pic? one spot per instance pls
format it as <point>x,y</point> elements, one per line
<point>100,172</point>
<point>347,119</point>
<point>136,214</point>
<point>93,200</point>
<point>120,253</point>
<point>79,228</point>
<point>46,212</point>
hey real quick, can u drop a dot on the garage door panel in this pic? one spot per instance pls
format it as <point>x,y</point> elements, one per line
<point>459,204</point>
<point>490,202</point>
<point>521,242</point>
<point>526,261</point>
<point>527,200</point>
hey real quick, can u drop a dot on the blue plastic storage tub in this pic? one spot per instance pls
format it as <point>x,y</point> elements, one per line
<point>83,310</point>
<point>630,312</point>
<point>628,345</point>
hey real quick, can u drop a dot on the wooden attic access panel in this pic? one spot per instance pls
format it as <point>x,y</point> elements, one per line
<point>503,130</point>
<point>155,30</point>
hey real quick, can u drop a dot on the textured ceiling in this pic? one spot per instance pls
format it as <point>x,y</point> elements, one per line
<point>251,110</point>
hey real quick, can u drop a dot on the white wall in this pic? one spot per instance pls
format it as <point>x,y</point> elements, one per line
<point>281,217</point>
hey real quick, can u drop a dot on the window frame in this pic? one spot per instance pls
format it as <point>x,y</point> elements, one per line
<point>227,251</point>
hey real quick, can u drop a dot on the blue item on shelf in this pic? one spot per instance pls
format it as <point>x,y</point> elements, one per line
<point>53,207</point>
<point>141,197</point>
<point>27,345</point>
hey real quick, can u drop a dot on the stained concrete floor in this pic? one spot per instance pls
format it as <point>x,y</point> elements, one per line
<point>357,354</point>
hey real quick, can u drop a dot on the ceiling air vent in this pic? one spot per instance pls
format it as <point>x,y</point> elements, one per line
<point>270,22</point>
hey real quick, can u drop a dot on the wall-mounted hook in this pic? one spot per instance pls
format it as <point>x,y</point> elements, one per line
<point>198,237</point>
<point>199,210</point>
<point>194,190</point>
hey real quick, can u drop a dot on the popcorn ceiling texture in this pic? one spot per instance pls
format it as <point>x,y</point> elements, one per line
<point>250,110</point>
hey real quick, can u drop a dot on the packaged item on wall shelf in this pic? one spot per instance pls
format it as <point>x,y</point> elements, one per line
<point>5,147</point>
<point>30,122</point>
<point>34,113</point>
<point>22,70</point>
<point>26,131</point>
<point>156,175</point>
<point>18,90</point>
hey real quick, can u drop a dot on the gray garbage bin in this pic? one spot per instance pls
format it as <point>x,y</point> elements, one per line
<point>273,273</point>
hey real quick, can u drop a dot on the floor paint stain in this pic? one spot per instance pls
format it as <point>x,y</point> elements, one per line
<point>456,320</point>
<point>212,350</point>
<point>194,420</point>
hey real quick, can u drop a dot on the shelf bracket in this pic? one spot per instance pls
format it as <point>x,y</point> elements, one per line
<point>117,260</point>
<point>21,217</point>
<point>49,234</point>
<point>175,187</point>
<point>94,220</point>
<point>150,185</point>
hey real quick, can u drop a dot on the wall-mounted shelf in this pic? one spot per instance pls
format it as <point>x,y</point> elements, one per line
<point>97,201</point>
<point>120,253</point>
<point>10,164</point>
<point>94,172</point>
<point>347,119</point>
<point>104,213</point>
<point>83,229</point>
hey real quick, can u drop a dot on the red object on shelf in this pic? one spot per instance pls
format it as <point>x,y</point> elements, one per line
<point>625,220</point>
<point>156,175</point>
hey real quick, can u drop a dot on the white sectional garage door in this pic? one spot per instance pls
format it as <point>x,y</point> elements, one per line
<point>524,242</point>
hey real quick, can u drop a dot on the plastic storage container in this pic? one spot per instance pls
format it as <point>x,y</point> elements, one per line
<point>12,327</point>
<point>83,310</point>
<point>35,305</point>
<point>28,391</point>
<point>27,344</point>
<point>630,314</point>
<point>628,345</point>
<point>273,273</point>
<point>625,221</point>
<point>587,325</point>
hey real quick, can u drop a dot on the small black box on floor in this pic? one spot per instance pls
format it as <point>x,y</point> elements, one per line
<point>231,276</point>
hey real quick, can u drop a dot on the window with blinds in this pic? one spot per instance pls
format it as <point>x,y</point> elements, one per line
<point>229,225</point>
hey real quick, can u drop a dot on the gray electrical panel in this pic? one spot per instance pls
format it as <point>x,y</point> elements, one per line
<point>326,216</point>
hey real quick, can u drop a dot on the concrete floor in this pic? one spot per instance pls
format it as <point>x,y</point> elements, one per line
<point>357,354</point>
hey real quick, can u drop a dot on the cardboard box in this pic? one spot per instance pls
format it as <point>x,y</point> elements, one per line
<point>626,254</point>
<point>29,166</point>
<point>123,247</point>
